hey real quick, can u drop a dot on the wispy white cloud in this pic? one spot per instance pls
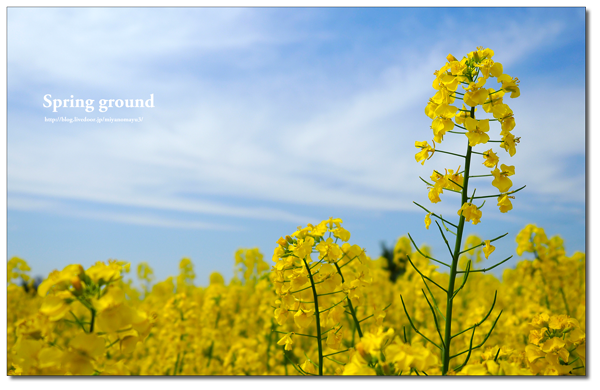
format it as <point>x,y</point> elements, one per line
<point>253,137</point>
<point>146,218</point>
<point>83,42</point>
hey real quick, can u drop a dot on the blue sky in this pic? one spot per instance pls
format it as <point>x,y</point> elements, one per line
<point>266,119</point>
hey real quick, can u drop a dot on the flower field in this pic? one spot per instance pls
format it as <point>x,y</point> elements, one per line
<point>90,322</point>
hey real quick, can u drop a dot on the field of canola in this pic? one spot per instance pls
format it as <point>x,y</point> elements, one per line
<point>322,307</point>
<point>93,322</point>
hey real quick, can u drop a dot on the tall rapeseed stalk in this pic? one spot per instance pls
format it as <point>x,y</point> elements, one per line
<point>471,73</point>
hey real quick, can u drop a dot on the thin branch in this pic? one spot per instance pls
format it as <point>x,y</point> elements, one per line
<point>470,177</point>
<point>464,280</point>
<point>349,261</point>
<point>335,361</point>
<point>424,255</point>
<point>488,269</point>
<point>295,334</point>
<point>425,181</point>
<point>113,343</point>
<point>497,353</point>
<point>434,301</point>
<point>473,195</point>
<point>423,276</point>
<point>300,370</point>
<point>445,240</point>
<point>305,288</point>
<point>413,325</point>
<point>452,181</point>
<point>350,307</point>
<point>483,243</point>
<point>485,339</point>
<point>78,321</point>
<point>335,353</point>
<point>437,216</point>
<point>437,326</point>
<point>484,318</point>
<point>470,350</point>
<point>324,310</point>
<point>495,196</point>
<point>454,154</point>
<point>331,293</point>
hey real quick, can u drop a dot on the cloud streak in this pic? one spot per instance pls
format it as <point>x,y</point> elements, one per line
<point>236,121</point>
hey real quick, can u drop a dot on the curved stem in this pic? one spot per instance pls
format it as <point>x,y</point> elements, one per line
<point>317,314</point>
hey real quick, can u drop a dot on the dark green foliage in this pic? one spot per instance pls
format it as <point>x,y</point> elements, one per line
<point>396,269</point>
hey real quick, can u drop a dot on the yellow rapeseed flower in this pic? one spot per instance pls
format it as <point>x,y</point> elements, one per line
<point>488,248</point>
<point>470,212</point>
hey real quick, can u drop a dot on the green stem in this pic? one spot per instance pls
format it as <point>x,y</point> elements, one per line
<point>481,176</point>
<point>545,296</point>
<point>454,154</point>
<point>495,196</point>
<point>269,339</point>
<point>437,216</point>
<point>113,343</point>
<point>453,269</point>
<point>77,321</point>
<point>335,353</point>
<point>316,298</point>
<point>210,351</point>
<point>331,293</point>
<point>92,320</point>
<point>352,311</point>
<point>296,334</point>
<point>423,254</point>
<point>331,307</point>
<point>176,364</point>
<point>564,300</point>
<point>483,243</point>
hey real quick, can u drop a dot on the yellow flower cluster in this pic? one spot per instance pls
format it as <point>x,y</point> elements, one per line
<point>94,322</point>
<point>556,345</point>
<point>472,73</point>
<point>319,290</point>
<point>89,308</point>
<point>381,353</point>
